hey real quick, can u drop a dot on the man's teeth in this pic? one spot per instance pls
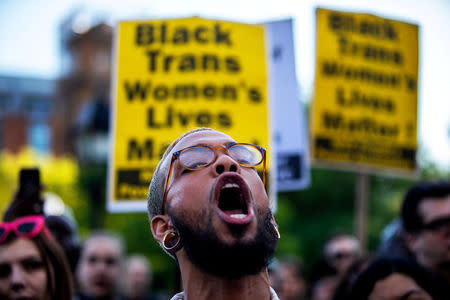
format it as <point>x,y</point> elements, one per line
<point>238,216</point>
<point>230,185</point>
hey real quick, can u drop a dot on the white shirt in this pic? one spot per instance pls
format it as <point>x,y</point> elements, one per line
<point>273,295</point>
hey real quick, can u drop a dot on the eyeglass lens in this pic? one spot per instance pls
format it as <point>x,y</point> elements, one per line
<point>2,232</point>
<point>26,227</point>
<point>341,255</point>
<point>199,157</point>
<point>246,154</point>
<point>437,224</point>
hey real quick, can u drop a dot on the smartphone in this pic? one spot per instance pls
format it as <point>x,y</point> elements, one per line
<point>27,200</point>
<point>29,182</point>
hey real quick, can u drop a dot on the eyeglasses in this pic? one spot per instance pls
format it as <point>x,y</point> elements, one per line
<point>341,255</point>
<point>199,157</point>
<point>109,261</point>
<point>26,227</point>
<point>438,225</point>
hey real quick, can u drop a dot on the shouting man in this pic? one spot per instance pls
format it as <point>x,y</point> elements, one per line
<point>209,210</point>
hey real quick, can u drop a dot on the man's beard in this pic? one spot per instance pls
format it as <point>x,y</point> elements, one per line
<point>444,266</point>
<point>209,253</point>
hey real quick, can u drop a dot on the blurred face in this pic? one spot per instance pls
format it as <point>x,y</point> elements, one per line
<point>342,252</point>
<point>432,245</point>
<point>292,286</point>
<point>222,206</point>
<point>99,268</point>
<point>398,286</point>
<point>137,280</point>
<point>22,271</point>
<point>324,289</point>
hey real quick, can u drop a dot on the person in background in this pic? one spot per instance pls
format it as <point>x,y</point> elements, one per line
<point>32,263</point>
<point>137,278</point>
<point>341,250</point>
<point>389,278</point>
<point>28,200</point>
<point>324,280</point>
<point>98,272</point>
<point>425,214</point>
<point>66,233</point>
<point>346,282</point>
<point>393,241</point>
<point>291,281</point>
<point>209,209</point>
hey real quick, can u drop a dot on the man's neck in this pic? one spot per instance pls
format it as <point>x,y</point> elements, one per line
<point>199,285</point>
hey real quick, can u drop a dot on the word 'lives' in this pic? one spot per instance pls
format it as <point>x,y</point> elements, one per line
<point>172,116</point>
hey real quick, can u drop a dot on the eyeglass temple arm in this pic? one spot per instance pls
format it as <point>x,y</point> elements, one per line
<point>47,232</point>
<point>167,183</point>
<point>264,169</point>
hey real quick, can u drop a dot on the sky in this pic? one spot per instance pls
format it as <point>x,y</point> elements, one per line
<point>29,42</point>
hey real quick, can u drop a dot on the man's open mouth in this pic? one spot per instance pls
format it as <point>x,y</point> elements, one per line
<point>232,197</point>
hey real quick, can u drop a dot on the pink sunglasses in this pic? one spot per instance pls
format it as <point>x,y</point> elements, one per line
<point>27,227</point>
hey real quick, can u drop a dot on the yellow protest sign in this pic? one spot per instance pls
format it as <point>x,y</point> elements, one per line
<point>365,98</point>
<point>175,75</point>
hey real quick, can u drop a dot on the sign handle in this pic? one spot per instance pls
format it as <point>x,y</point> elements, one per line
<point>361,204</point>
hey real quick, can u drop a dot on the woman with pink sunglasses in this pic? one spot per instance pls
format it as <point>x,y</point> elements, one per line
<point>32,264</point>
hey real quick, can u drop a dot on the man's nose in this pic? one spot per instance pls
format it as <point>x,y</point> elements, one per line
<point>225,163</point>
<point>101,266</point>
<point>17,278</point>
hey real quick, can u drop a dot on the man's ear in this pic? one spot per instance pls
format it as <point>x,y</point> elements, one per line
<point>161,225</point>
<point>411,241</point>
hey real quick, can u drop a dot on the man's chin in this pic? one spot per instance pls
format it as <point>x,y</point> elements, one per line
<point>235,254</point>
<point>232,234</point>
<point>101,292</point>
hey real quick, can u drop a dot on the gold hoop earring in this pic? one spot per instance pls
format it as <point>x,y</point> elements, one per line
<point>275,227</point>
<point>171,242</point>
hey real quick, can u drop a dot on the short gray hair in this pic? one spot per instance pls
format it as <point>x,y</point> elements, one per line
<point>104,234</point>
<point>156,188</point>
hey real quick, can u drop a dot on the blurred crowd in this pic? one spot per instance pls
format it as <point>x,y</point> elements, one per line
<point>42,257</point>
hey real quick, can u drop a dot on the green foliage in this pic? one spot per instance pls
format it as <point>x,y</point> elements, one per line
<point>306,218</point>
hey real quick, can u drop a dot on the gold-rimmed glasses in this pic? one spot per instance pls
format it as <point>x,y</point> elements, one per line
<point>201,156</point>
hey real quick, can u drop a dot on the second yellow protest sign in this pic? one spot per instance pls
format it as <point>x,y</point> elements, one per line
<point>175,75</point>
<point>365,99</point>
